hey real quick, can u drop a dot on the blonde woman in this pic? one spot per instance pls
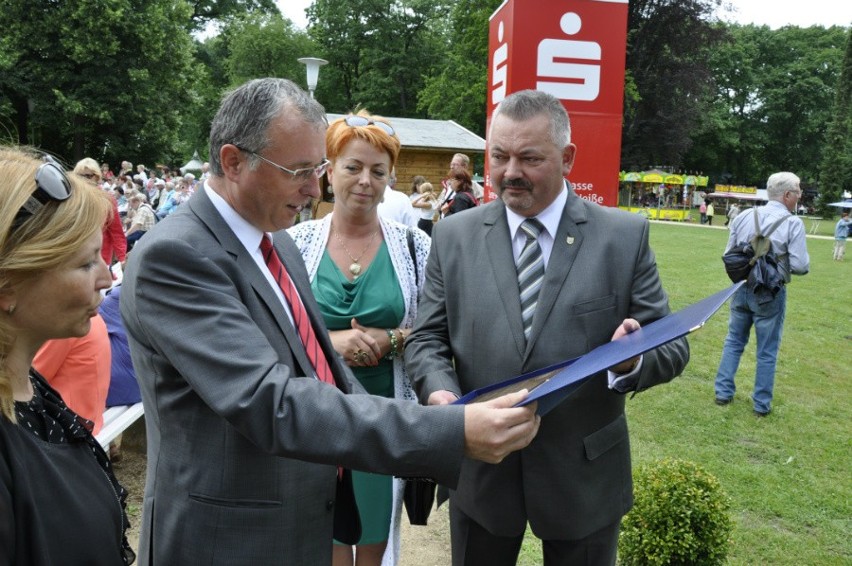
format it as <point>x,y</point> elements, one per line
<point>426,202</point>
<point>59,501</point>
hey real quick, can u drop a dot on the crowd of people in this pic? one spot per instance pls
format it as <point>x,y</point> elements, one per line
<point>425,205</point>
<point>142,198</point>
<point>294,375</point>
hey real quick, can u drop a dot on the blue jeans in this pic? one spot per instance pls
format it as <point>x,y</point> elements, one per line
<point>134,237</point>
<point>768,322</point>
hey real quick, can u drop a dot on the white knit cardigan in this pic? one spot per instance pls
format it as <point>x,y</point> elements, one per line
<point>312,238</point>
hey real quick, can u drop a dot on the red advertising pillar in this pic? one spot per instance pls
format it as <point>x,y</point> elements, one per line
<point>574,50</point>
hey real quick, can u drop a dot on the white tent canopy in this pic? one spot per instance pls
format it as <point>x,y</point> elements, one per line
<point>760,195</point>
<point>842,204</point>
<point>193,164</point>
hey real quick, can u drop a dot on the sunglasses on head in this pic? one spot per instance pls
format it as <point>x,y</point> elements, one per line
<point>360,121</point>
<point>51,185</point>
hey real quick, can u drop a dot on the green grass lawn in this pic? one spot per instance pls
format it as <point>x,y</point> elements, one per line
<point>788,475</point>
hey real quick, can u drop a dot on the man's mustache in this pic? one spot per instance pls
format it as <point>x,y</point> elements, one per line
<point>515,184</point>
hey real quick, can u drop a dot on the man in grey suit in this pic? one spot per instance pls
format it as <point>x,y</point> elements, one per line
<point>598,280</point>
<point>245,443</point>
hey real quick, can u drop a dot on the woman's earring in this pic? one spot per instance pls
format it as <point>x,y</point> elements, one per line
<point>11,310</point>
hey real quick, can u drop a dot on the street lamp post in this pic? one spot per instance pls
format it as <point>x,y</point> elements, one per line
<point>313,65</point>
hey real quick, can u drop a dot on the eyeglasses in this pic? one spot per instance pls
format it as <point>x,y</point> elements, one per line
<point>299,175</point>
<point>51,185</point>
<point>360,121</point>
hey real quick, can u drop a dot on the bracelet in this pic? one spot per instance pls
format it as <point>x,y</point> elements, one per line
<point>394,343</point>
<point>401,343</point>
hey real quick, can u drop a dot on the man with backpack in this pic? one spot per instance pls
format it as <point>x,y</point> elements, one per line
<point>750,307</point>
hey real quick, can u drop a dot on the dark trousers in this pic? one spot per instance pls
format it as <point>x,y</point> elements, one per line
<point>475,546</point>
<point>133,238</point>
<point>425,224</point>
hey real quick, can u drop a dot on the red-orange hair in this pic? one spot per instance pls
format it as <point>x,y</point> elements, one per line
<point>339,134</point>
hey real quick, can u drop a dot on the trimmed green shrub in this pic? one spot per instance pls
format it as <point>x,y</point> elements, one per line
<point>680,516</point>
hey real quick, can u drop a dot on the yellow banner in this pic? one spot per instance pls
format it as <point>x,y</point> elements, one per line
<point>736,189</point>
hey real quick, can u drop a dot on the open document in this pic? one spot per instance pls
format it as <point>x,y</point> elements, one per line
<point>550,385</point>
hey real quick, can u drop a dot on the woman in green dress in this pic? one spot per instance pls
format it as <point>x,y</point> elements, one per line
<point>366,273</point>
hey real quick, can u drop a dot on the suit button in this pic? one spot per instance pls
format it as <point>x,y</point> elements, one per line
<point>329,504</point>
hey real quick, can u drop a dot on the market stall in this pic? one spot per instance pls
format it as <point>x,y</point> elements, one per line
<point>659,194</point>
<point>744,196</point>
<point>739,192</point>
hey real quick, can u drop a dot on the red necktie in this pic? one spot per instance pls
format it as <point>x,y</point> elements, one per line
<point>300,315</point>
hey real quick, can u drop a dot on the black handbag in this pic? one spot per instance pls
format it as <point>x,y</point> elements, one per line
<point>419,498</point>
<point>739,261</point>
<point>419,494</point>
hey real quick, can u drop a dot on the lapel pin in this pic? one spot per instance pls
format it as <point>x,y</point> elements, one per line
<point>570,240</point>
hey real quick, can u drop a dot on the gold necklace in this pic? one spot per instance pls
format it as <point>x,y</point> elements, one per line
<point>354,267</point>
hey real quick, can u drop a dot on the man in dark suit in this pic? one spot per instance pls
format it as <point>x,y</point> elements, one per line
<point>597,280</point>
<point>245,438</point>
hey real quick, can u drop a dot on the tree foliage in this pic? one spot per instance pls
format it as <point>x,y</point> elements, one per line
<point>723,145</point>
<point>124,79</point>
<point>106,79</point>
<point>261,45</point>
<point>458,91</point>
<point>207,11</point>
<point>669,42</point>
<point>836,171</point>
<point>379,52</point>
<point>774,91</point>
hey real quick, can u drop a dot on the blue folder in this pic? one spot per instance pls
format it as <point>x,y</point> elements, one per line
<point>551,385</point>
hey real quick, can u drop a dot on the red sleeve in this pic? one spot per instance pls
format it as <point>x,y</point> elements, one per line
<point>114,234</point>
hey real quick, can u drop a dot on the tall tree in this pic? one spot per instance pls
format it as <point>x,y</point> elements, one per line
<point>802,67</point>
<point>727,140</point>
<point>406,49</point>
<point>459,89</point>
<point>771,105</point>
<point>264,45</point>
<point>102,78</point>
<point>669,42</point>
<point>836,170</point>
<point>340,28</point>
<point>378,52</point>
<point>213,11</point>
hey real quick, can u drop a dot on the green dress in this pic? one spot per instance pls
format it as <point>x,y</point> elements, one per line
<point>375,300</point>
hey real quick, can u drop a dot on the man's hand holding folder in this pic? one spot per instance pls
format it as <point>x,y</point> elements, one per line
<point>627,366</point>
<point>515,427</point>
<point>493,435</point>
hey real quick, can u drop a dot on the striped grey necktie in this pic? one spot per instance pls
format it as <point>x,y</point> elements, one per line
<point>530,272</point>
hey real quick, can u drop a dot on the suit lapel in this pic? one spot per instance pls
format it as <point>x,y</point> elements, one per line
<point>566,246</point>
<point>207,213</point>
<point>499,247</point>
